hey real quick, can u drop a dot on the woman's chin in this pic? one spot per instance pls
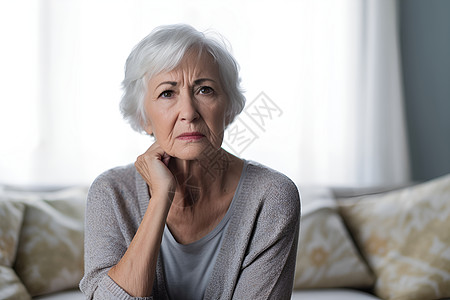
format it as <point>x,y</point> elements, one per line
<point>196,152</point>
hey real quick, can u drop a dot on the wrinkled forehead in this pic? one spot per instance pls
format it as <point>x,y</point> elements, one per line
<point>196,63</point>
<point>197,55</point>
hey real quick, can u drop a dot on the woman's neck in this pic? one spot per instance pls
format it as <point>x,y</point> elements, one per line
<point>201,179</point>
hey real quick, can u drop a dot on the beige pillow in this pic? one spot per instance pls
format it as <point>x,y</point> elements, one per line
<point>405,236</point>
<point>11,215</point>
<point>326,255</point>
<point>50,252</point>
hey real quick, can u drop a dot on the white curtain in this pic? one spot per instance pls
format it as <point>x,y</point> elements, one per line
<point>383,152</point>
<point>330,69</point>
<point>357,135</point>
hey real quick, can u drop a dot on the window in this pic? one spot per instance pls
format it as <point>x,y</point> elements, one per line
<point>60,123</point>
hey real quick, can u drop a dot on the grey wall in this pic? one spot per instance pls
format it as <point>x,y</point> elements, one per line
<point>425,47</point>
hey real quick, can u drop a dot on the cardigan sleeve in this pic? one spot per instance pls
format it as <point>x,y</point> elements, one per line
<point>267,271</point>
<point>107,235</point>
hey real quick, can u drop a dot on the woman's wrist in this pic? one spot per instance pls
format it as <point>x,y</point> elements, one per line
<point>164,198</point>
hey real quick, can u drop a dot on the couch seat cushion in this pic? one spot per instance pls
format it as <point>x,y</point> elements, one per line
<point>332,294</point>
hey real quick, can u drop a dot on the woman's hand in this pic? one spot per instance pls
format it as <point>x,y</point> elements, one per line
<point>153,167</point>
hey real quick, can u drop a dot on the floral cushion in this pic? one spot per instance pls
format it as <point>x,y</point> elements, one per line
<point>326,255</point>
<point>50,250</point>
<point>11,216</point>
<point>405,236</point>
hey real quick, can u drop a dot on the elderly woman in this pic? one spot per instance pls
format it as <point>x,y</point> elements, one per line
<point>188,220</point>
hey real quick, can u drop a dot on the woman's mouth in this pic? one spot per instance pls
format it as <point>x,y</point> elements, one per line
<point>191,136</point>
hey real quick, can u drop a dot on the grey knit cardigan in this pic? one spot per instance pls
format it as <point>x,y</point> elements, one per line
<point>257,256</point>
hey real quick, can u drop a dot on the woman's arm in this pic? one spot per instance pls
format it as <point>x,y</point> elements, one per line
<point>114,269</point>
<point>135,272</point>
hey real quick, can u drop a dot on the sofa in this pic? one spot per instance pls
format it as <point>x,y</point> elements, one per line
<point>371,243</point>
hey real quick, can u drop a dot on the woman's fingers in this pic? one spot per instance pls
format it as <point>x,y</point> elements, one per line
<point>152,165</point>
<point>166,158</point>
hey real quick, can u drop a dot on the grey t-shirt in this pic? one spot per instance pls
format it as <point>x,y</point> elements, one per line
<point>187,268</point>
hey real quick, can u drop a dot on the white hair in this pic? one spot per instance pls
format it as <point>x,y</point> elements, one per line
<point>162,50</point>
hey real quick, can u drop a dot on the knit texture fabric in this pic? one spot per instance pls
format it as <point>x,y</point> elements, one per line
<point>257,256</point>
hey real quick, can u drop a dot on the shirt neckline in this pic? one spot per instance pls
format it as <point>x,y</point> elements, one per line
<point>219,227</point>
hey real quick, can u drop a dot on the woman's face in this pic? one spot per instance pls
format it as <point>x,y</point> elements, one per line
<point>186,107</point>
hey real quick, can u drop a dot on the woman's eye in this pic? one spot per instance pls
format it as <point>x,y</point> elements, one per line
<point>166,94</point>
<point>205,90</point>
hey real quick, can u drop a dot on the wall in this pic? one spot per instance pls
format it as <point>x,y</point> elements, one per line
<point>425,41</point>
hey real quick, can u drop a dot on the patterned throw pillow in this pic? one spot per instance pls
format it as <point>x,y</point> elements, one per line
<point>326,255</point>
<point>405,236</point>
<point>50,251</point>
<point>11,215</point>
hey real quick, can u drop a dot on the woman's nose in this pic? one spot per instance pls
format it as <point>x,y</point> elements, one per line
<point>188,109</point>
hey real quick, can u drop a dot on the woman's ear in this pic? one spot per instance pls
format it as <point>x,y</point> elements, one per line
<point>148,128</point>
<point>227,120</point>
<point>148,131</point>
